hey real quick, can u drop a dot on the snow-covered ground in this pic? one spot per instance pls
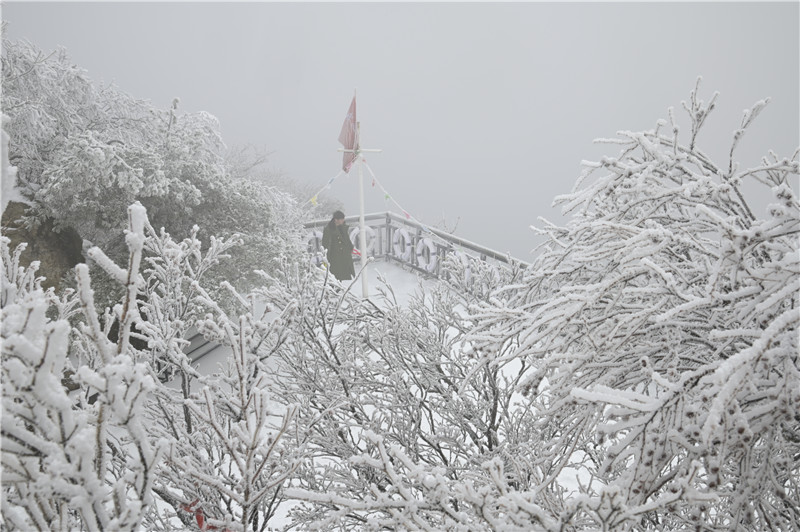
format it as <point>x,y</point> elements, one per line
<point>381,275</point>
<point>403,281</point>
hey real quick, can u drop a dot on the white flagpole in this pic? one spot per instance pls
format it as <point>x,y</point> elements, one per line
<point>362,232</point>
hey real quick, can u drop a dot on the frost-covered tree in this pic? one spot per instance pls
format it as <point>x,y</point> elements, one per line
<point>660,328</point>
<point>79,460</point>
<point>82,149</point>
<point>651,352</point>
<point>227,454</point>
<point>86,152</point>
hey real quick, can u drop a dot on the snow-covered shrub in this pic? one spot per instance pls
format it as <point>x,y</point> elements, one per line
<point>660,328</point>
<point>403,425</point>
<point>79,460</point>
<point>480,280</point>
<point>417,495</point>
<point>267,220</point>
<point>173,276</point>
<point>227,454</point>
<point>87,458</point>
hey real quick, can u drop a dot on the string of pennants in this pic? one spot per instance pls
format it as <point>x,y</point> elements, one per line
<point>387,198</point>
<point>375,183</point>
<point>313,200</point>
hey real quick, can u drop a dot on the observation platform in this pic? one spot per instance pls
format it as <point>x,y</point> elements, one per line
<point>405,253</point>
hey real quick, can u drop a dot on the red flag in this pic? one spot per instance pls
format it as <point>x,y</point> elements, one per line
<point>349,137</point>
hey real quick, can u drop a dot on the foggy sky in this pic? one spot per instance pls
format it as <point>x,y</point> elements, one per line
<point>484,111</point>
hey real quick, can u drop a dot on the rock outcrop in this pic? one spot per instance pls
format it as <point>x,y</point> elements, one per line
<point>57,252</point>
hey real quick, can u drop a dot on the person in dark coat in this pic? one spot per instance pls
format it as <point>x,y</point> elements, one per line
<point>336,239</point>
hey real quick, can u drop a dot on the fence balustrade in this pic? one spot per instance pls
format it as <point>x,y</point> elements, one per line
<point>392,237</point>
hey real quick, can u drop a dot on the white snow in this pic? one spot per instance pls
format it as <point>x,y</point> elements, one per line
<point>9,190</point>
<point>398,284</point>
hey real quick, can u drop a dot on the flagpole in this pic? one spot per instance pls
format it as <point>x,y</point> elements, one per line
<point>350,139</point>
<point>362,230</point>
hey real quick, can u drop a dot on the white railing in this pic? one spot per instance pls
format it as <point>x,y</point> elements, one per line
<point>392,237</point>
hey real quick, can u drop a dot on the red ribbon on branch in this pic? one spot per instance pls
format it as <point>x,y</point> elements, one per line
<point>200,517</point>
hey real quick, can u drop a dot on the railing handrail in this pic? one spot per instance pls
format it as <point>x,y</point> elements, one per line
<point>447,237</point>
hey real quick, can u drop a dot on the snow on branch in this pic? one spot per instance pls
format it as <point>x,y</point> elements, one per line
<point>660,332</point>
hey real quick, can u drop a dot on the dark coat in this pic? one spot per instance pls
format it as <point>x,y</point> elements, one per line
<point>340,250</point>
